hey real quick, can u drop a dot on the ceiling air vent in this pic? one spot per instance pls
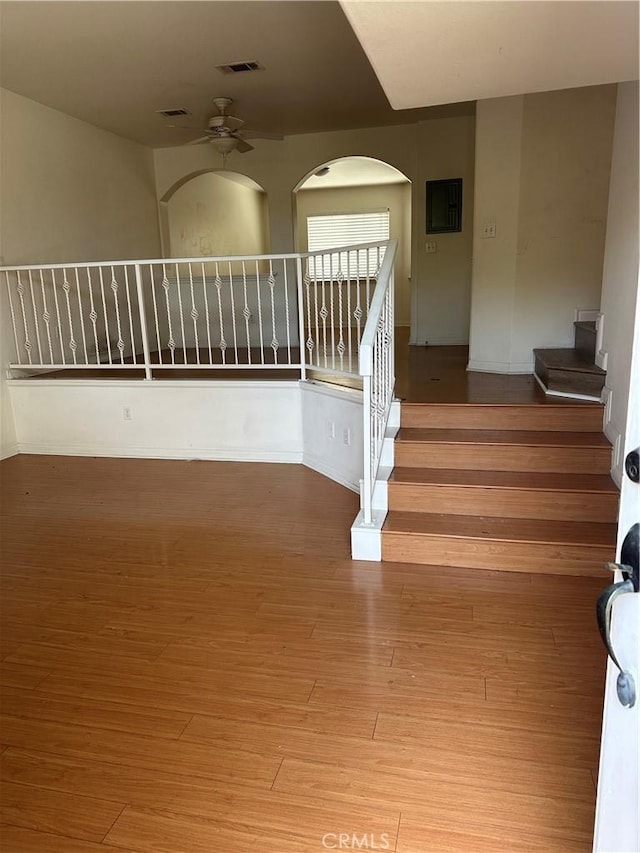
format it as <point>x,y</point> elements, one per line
<point>239,67</point>
<point>174,113</point>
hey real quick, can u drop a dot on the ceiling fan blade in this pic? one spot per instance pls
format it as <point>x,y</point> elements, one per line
<point>198,141</point>
<point>242,147</point>
<point>261,134</point>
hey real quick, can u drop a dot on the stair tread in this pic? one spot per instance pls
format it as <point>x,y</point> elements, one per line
<point>567,359</point>
<point>502,529</point>
<point>533,481</point>
<point>491,436</point>
<point>587,325</point>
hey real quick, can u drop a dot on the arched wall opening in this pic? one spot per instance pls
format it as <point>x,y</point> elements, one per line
<point>355,185</point>
<point>213,213</point>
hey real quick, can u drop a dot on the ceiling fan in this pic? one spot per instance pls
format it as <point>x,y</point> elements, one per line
<point>224,132</point>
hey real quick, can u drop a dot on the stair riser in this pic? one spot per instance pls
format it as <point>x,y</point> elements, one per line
<point>585,342</point>
<point>494,457</point>
<point>573,382</point>
<point>536,557</point>
<point>553,418</point>
<point>503,503</point>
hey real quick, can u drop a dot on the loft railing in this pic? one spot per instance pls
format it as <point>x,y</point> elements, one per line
<point>278,312</point>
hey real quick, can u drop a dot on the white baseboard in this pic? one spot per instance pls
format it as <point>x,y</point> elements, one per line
<point>9,451</point>
<point>615,437</point>
<point>516,367</point>
<point>319,465</point>
<point>212,454</point>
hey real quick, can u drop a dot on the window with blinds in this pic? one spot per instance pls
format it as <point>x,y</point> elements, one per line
<point>345,229</point>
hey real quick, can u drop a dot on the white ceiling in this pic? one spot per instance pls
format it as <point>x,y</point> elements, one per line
<point>355,172</point>
<point>439,52</point>
<point>113,64</point>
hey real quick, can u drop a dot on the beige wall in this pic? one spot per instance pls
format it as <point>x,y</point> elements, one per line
<point>213,215</point>
<point>69,192</point>
<point>441,148</point>
<point>620,278</point>
<point>395,197</point>
<point>542,174</point>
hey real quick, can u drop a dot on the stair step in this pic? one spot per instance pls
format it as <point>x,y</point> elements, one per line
<point>524,545</point>
<point>548,417</point>
<point>569,371</point>
<point>504,494</point>
<point>503,450</point>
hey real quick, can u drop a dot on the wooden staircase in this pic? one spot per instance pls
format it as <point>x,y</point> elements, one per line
<point>509,487</point>
<point>572,372</point>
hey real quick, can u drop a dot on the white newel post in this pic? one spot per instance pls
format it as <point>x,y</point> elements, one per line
<point>143,324</point>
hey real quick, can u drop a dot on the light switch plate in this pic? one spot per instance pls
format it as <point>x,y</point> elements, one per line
<point>489,229</point>
<point>431,247</point>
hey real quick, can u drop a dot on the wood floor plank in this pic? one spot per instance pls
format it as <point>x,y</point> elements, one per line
<point>227,803</point>
<point>158,831</point>
<point>209,761</point>
<point>436,799</point>
<point>17,839</point>
<point>39,705</point>
<point>44,810</point>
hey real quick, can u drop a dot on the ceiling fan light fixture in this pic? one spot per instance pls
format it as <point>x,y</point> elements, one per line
<point>224,144</point>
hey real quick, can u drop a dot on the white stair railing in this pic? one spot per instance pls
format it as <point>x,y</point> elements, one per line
<point>378,376</point>
<point>278,312</point>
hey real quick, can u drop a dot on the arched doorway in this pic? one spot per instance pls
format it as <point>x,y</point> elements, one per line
<point>214,212</point>
<point>360,186</point>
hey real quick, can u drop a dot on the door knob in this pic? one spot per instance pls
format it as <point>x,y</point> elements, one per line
<point>629,567</point>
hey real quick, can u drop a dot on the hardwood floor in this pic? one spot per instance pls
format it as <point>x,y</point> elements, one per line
<point>191,663</point>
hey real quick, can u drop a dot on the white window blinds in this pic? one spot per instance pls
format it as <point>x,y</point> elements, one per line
<point>345,229</point>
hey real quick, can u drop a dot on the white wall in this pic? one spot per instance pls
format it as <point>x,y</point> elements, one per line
<point>440,148</point>
<point>542,174</point>
<point>620,277</point>
<point>69,192</point>
<point>367,199</point>
<point>332,429</point>
<point>243,421</point>
<point>213,215</point>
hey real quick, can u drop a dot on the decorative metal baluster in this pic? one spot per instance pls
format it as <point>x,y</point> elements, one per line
<point>155,312</point>
<point>171,342</point>
<point>286,309</point>
<point>35,317</point>
<point>309,341</point>
<point>368,286</point>
<point>233,315</point>
<point>13,318</point>
<point>181,311</point>
<point>194,314</point>
<point>81,313</point>
<point>357,311</point>
<point>73,345</point>
<point>55,300</point>
<point>274,339</point>
<point>93,315</point>
<point>332,317</point>
<point>128,295</point>
<point>246,313</point>
<point>27,343</point>
<point>114,289</point>
<point>106,318</point>
<point>349,279</point>
<point>46,317</point>
<point>341,280</point>
<point>323,312</point>
<point>206,310</point>
<point>316,310</point>
<point>223,343</point>
<point>259,313</point>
